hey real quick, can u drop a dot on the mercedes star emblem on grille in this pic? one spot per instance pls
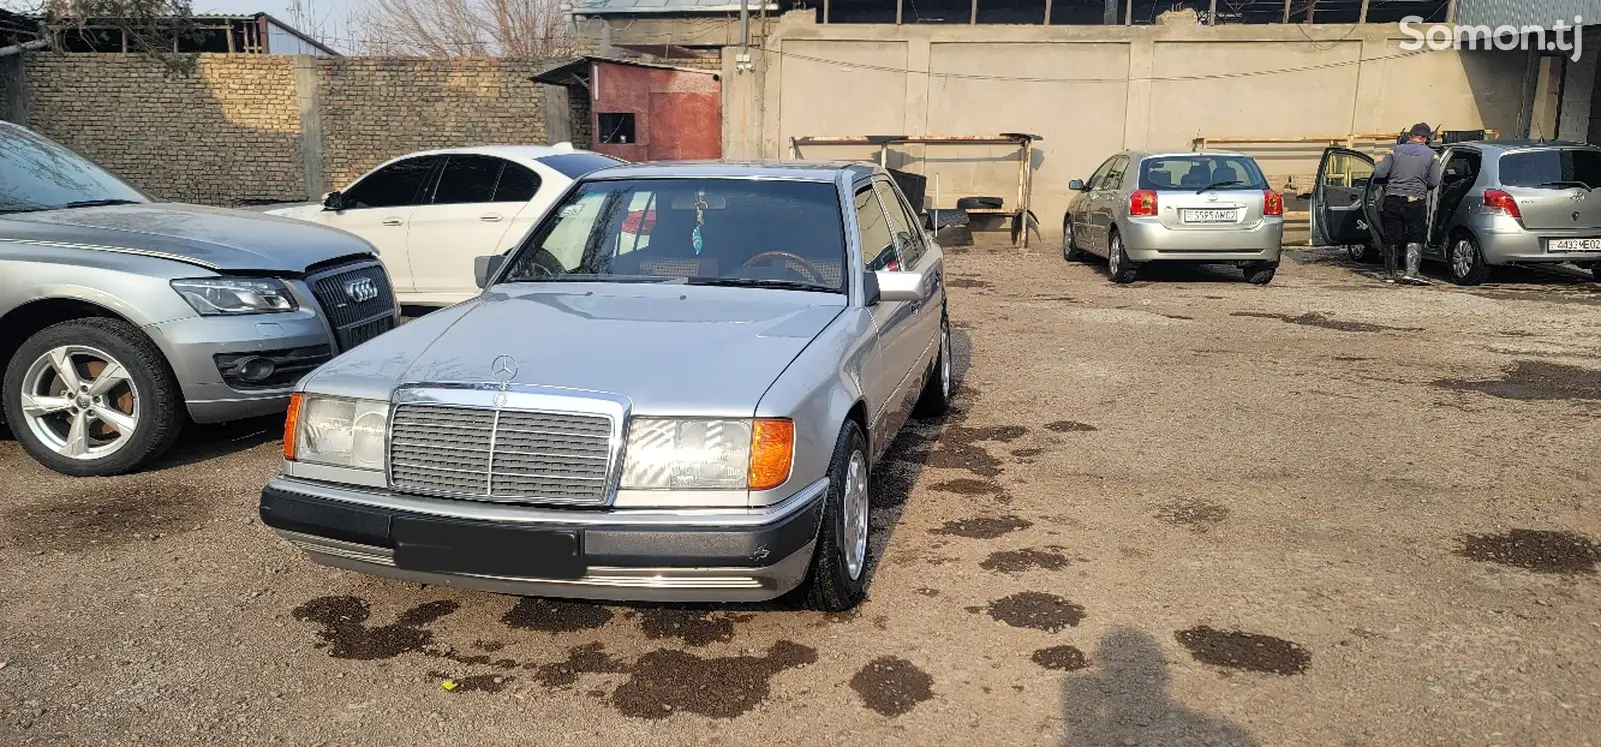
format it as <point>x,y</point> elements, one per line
<point>504,369</point>
<point>361,290</point>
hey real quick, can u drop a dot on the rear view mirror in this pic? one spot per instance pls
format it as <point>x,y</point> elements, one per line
<point>687,202</point>
<point>334,201</point>
<point>897,285</point>
<point>485,268</point>
<point>1077,185</point>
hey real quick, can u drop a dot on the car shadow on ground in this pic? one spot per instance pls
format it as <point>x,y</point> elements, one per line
<point>200,443</point>
<point>1511,277</point>
<point>1123,699</point>
<point>1175,272</point>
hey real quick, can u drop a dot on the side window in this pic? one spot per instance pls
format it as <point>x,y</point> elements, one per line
<point>1100,173</point>
<point>878,244</point>
<point>467,179</point>
<point>395,185</point>
<point>1114,176</point>
<point>517,184</point>
<point>1347,171</point>
<point>908,241</point>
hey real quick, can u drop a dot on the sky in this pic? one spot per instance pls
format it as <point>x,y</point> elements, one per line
<point>329,14</point>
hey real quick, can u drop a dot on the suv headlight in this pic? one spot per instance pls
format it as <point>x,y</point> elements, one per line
<point>226,296</point>
<point>693,454</point>
<point>336,431</point>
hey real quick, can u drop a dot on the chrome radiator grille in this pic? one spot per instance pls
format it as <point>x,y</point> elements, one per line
<point>501,455</point>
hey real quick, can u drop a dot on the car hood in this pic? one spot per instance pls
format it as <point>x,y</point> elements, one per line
<point>670,349</point>
<point>214,238</point>
<point>297,210</point>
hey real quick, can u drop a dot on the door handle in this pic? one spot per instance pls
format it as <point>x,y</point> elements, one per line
<point>490,218</point>
<point>391,221</point>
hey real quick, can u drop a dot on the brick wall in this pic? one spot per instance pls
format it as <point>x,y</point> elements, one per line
<point>231,132</point>
<point>225,134</point>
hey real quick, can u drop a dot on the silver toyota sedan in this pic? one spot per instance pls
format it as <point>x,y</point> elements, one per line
<point>1500,202</point>
<point>1198,207</point>
<point>676,388</point>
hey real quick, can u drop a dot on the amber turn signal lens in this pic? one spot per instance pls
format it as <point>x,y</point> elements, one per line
<point>772,452</point>
<point>291,426</point>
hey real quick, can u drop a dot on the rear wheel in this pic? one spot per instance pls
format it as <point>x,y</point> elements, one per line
<point>92,397</point>
<point>1118,265</point>
<point>838,577</point>
<point>1260,273</point>
<point>936,397</point>
<point>1467,261</point>
<point>1070,250</point>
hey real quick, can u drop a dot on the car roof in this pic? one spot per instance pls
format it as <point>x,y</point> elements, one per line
<point>816,171</point>
<point>511,152</point>
<point>1186,153</point>
<point>1505,145</point>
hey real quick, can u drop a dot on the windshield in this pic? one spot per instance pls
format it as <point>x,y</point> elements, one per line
<point>698,231</point>
<point>36,174</point>
<point>1200,172</point>
<point>1556,169</point>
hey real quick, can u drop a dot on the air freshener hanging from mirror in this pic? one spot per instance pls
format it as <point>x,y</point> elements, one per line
<point>700,220</point>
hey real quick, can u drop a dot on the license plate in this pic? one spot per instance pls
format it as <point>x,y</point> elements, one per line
<point>1573,245</point>
<point>485,549</point>
<point>1211,216</point>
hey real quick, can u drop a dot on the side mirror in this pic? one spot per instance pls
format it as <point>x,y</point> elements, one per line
<point>485,268</point>
<point>895,285</point>
<point>1077,185</point>
<point>334,201</point>
<point>870,290</point>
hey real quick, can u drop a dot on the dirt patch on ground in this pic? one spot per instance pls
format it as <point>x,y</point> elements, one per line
<point>664,682</point>
<point>1061,658</point>
<point>1535,550</point>
<point>1314,319</point>
<point>346,635</point>
<point>693,627</point>
<point>1194,513</point>
<point>1017,561</point>
<point>967,486</point>
<point>892,686</point>
<point>983,527</point>
<point>1036,610</point>
<point>1535,380</point>
<point>556,616</point>
<point>587,659</point>
<point>1250,652</point>
<point>105,513</point>
<point>1069,426</point>
<point>968,283</point>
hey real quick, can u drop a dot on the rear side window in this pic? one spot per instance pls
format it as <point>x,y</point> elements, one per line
<point>517,184</point>
<point>1556,169</point>
<point>1200,172</point>
<point>574,165</point>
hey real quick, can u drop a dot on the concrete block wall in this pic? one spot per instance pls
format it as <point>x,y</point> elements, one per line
<point>244,129</point>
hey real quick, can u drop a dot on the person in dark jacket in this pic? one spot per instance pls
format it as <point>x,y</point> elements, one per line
<point>1409,172</point>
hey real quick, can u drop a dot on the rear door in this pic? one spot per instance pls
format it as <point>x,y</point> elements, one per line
<point>1083,220</point>
<point>1555,187</point>
<point>460,220</point>
<point>1341,209</point>
<point>1106,200</point>
<point>1205,192</point>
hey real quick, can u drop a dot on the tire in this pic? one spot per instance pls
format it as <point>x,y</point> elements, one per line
<point>1118,265</point>
<point>1363,253</point>
<point>1070,250</point>
<point>145,396</point>
<point>830,586</point>
<point>979,203</point>
<point>1465,261</point>
<point>1260,273</point>
<point>937,388</point>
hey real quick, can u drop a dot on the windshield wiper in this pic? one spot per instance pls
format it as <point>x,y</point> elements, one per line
<point>586,277</point>
<point>1215,185</point>
<point>1564,183</point>
<point>758,283</point>
<point>97,203</point>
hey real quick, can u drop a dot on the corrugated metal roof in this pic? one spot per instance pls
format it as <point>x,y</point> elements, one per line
<point>1521,12</point>
<point>609,7</point>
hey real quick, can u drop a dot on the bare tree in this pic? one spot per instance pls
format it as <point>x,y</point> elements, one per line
<point>461,28</point>
<point>156,28</point>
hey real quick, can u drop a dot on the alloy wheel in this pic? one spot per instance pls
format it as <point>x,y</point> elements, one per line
<point>854,538</point>
<point>80,402</point>
<point>1462,258</point>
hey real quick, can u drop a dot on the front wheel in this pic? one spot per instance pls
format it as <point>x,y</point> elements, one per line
<point>92,397</point>
<point>837,580</point>
<point>1467,261</point>
<point>1118,265</point>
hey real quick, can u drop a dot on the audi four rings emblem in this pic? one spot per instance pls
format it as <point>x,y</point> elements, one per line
<point>504,369</point>
<point>361,290</point>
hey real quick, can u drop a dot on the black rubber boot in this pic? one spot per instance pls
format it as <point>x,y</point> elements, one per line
<point>1390,252</point>
<point>1414,263</point>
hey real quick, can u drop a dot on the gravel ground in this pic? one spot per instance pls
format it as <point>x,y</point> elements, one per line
<point>1190,511</point>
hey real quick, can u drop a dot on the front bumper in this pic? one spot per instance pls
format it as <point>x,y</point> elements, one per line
<point>692,555</point>
<point>193,344</point>
<point>1147,240</point>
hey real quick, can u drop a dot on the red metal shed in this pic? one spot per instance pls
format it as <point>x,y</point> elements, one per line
<point>642,111</point>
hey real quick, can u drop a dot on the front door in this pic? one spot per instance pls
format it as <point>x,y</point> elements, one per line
<point>378,208</point>
<point>893,321</point>
<point>1343,212</point>
<point>911,248</point>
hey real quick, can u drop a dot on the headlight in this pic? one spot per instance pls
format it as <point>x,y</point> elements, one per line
<point>338,432</point>
<point>224,296</point>
<point>708,454</point>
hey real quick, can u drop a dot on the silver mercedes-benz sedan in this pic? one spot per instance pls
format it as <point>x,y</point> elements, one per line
<point>1198,207</point>
<point>676,388</point>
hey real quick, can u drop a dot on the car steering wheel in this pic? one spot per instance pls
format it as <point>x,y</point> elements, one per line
<point>810,269</point>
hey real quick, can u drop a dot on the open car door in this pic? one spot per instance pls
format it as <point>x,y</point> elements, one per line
<point>1344,208</point>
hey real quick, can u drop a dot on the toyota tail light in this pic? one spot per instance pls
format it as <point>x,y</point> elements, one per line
<point>1142,204</point>
<point>1272,203</point>
<point>1496,201</point>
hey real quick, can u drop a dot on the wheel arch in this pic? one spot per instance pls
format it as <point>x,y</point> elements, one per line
<point>25,321</point>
